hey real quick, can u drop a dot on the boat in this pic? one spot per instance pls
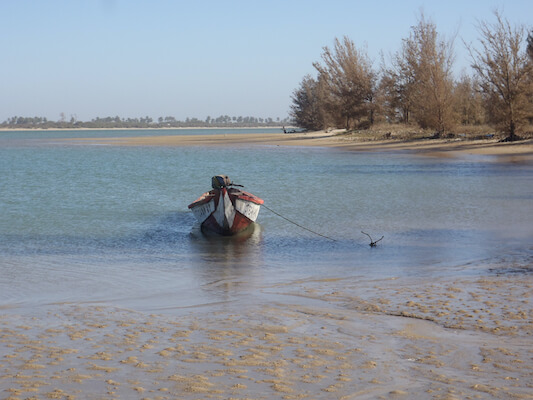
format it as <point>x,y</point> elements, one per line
<point>226,209</point>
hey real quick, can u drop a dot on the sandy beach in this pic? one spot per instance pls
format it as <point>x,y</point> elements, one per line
<point>518,151</point>
<point>341,337</point>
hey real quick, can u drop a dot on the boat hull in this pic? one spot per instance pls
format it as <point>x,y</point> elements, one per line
<point>226,211</point>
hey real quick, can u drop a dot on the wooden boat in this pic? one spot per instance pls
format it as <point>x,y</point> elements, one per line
<point>226,209</point>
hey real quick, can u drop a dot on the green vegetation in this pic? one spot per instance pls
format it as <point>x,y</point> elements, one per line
<point>417,87</point>
<point>143,122</point>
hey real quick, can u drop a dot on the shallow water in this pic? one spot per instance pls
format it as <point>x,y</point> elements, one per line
<point>110,224</point>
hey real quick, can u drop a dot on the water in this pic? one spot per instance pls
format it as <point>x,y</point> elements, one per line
<point>108,224</point>
<point>22,136</point>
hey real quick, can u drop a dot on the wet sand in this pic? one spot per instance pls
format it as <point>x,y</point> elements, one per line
<point>343,338</point>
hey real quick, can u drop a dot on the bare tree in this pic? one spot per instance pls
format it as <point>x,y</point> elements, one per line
<point>418,84</point>
<point>428,60</point>
<point>348,74</point>
<point>505,72</point>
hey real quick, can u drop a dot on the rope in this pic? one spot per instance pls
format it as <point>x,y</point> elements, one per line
<point>297,224</point>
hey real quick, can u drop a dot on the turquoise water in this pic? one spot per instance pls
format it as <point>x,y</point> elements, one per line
<point>110,224</point>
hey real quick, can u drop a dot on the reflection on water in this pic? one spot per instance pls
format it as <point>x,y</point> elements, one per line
<point>227,265</point>
<point>241,249</point>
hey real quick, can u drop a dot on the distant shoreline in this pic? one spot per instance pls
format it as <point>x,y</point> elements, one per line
<point>139,129</point>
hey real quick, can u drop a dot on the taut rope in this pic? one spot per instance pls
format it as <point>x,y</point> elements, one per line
<point>297,224</point>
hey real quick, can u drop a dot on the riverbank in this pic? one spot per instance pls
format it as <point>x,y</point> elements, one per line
<point>514,151</point>
<point>395,139</point>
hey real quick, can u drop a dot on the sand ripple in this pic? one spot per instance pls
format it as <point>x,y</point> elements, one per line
<point>439,339</point>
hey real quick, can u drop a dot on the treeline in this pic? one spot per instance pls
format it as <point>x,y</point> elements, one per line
<point>416,85</point>
<point>143,122</point>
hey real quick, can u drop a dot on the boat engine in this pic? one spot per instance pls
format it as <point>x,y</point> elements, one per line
<point>220,181</point>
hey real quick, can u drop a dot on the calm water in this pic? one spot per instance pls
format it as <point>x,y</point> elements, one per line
<point>20,137</point>
<point>110,224</point>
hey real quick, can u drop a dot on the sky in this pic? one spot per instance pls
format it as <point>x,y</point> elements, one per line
<point>194,59</point>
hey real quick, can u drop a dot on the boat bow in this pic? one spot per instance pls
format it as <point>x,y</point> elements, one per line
<point>226,210</point>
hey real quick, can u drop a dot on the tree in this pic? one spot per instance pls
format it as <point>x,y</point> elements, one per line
<point>505,72</point>
<point>468,102</point>
<point>418,84</point>
<point>426,64</point>
<point>396,88</point>
<point>350,80</point>
<point>306,109</point>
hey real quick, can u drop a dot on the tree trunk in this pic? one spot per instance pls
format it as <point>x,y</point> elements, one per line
<point>512,135</point>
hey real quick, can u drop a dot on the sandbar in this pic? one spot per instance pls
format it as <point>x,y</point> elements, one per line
<point>515,151</point>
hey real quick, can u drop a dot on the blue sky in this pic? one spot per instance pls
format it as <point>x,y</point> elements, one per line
<point>184,59</point>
